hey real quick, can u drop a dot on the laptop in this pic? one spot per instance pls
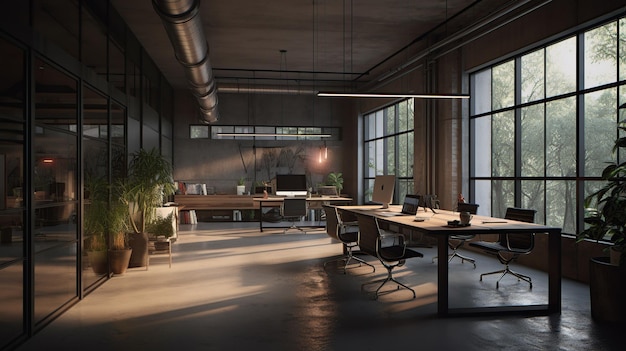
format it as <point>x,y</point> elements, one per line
<point>409,207</point>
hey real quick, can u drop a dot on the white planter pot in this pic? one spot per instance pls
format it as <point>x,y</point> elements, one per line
<point>241,189</point>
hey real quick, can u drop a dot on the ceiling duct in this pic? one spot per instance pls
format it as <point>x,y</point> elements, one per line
<point>184,28</point>
<point>240,89</point>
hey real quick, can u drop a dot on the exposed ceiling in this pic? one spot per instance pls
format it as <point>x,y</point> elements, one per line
<point>327,43</point>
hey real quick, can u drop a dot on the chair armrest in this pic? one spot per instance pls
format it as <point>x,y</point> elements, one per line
<point>344,227</point>
<point>393,235</point>
<point>387,234</point>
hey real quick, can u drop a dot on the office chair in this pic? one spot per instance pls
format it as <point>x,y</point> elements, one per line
<point>456,241</point>
<point>510,246</point>
<point>391,256</point>
<point>346,232</point>
<point>294,208</point>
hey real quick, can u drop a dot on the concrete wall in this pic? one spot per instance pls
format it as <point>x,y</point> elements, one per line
<point>220,163</point>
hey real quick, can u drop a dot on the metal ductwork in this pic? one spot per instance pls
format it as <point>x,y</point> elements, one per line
<point>184,28</point>
<point>239,89</point>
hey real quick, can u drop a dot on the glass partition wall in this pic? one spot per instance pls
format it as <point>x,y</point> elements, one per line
<point>12,179</point>
<point>64,123</point>
<point>54,188</point>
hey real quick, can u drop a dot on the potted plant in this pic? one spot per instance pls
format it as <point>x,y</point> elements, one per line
<point>161,229</point>
<point>335,179</point>
<point>607,221</point>
<point>95,222</point>
<point>241,186</point>
<point>117,227</point>
<point>149,181</point>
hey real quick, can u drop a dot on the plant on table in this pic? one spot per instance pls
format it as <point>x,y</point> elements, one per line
<point>161,226</point>
<point>335,179</point>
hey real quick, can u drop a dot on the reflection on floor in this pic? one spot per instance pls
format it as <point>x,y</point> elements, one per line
<point>233,288</point>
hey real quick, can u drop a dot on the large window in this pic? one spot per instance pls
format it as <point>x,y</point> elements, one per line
<point>543,125</point>
<point>388,148</point>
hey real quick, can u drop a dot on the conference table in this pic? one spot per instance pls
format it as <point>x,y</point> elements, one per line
<point>436,225</point>
<point>313,202</point>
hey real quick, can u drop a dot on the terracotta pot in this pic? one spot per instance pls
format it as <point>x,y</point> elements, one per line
<point>98,261</point>
<point>139,246</point>
<point>118,260</point>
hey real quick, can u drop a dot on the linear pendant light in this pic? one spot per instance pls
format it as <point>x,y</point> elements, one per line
<point>384,95</point>
<point>274,135</point>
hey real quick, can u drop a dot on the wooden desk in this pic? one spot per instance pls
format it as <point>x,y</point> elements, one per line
<point>312,202</point>
<point>436,225</point>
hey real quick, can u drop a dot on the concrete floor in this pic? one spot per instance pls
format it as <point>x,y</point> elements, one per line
<point>233,288</point>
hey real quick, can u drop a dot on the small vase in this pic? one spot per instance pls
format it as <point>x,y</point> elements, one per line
<point>465,218</point>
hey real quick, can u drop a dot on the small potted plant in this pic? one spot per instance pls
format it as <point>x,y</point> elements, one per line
<point>161,229</point>
<point>241,186</point>
<point>335,179</point>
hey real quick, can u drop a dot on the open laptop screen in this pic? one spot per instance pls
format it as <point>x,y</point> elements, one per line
<point>411,202</point>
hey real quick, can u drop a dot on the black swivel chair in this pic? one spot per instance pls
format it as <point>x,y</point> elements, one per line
<point>294,209</point>
<point>346,232</point>
<point>391,256</point>
<point>510,246</point>
<point>456,241</point>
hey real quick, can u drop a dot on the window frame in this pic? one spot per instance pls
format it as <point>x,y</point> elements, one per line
<point>578,181</point>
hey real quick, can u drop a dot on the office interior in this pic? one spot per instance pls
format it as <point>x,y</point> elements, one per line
<point>87,83</point>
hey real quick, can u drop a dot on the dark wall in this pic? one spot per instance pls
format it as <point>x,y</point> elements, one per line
<point>220,163</point>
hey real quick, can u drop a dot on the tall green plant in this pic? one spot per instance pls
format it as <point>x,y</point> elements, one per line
<point>95,217</point>
<point>104,216</point>
<point>117,224</point>
<point>607,220</point>
<point>149,180</point>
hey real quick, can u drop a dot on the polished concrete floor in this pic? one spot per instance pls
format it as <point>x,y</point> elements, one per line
<point>233,288</point>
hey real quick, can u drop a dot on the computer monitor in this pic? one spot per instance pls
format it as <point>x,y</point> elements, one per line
<point>383,189</point>
<point>291,185</point>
